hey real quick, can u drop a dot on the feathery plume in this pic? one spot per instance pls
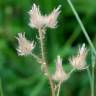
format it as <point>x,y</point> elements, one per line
<point>79,61</point>
<point>51,19</point>
<point>36,20</point>
<point>39,21</point>
<point>25,46</point>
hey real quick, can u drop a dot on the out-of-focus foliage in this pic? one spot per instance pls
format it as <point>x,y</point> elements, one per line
<point>22,76</point>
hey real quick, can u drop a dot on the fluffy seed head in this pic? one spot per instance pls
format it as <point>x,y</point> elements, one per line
<point>38,21</point>
<point>51,19</point>
<point>79,61</point>
<point>60,74</point>
<point>25,46</point>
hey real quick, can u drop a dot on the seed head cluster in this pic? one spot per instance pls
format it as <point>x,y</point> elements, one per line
<point>39,21</point>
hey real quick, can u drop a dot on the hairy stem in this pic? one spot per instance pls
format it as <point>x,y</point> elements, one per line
<point>1,89</point>
<point>42,44</point>
<point>82,27</point>
<point>72,71</point>
<point>36,57</point>
<point>41,37</point>
<point>59,86</point>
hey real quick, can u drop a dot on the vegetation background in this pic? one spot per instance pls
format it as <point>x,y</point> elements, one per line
<point>22,76</point>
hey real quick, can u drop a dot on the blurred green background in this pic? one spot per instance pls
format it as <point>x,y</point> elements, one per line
<point>22,76</point>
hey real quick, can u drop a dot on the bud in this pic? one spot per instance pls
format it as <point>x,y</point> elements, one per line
<point>60,74</point>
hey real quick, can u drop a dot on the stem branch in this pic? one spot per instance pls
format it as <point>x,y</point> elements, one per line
<point>72,71</point>
<point>42,45</point>
<point>41,33</point>
<point>36,57</point>
<point>59,86</point>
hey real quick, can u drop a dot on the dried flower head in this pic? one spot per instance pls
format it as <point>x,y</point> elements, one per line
<point>25,46</point>
<point>60,74</point>
<point>79,61</point>
<point>51,20</point>
<point>38,21</point>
